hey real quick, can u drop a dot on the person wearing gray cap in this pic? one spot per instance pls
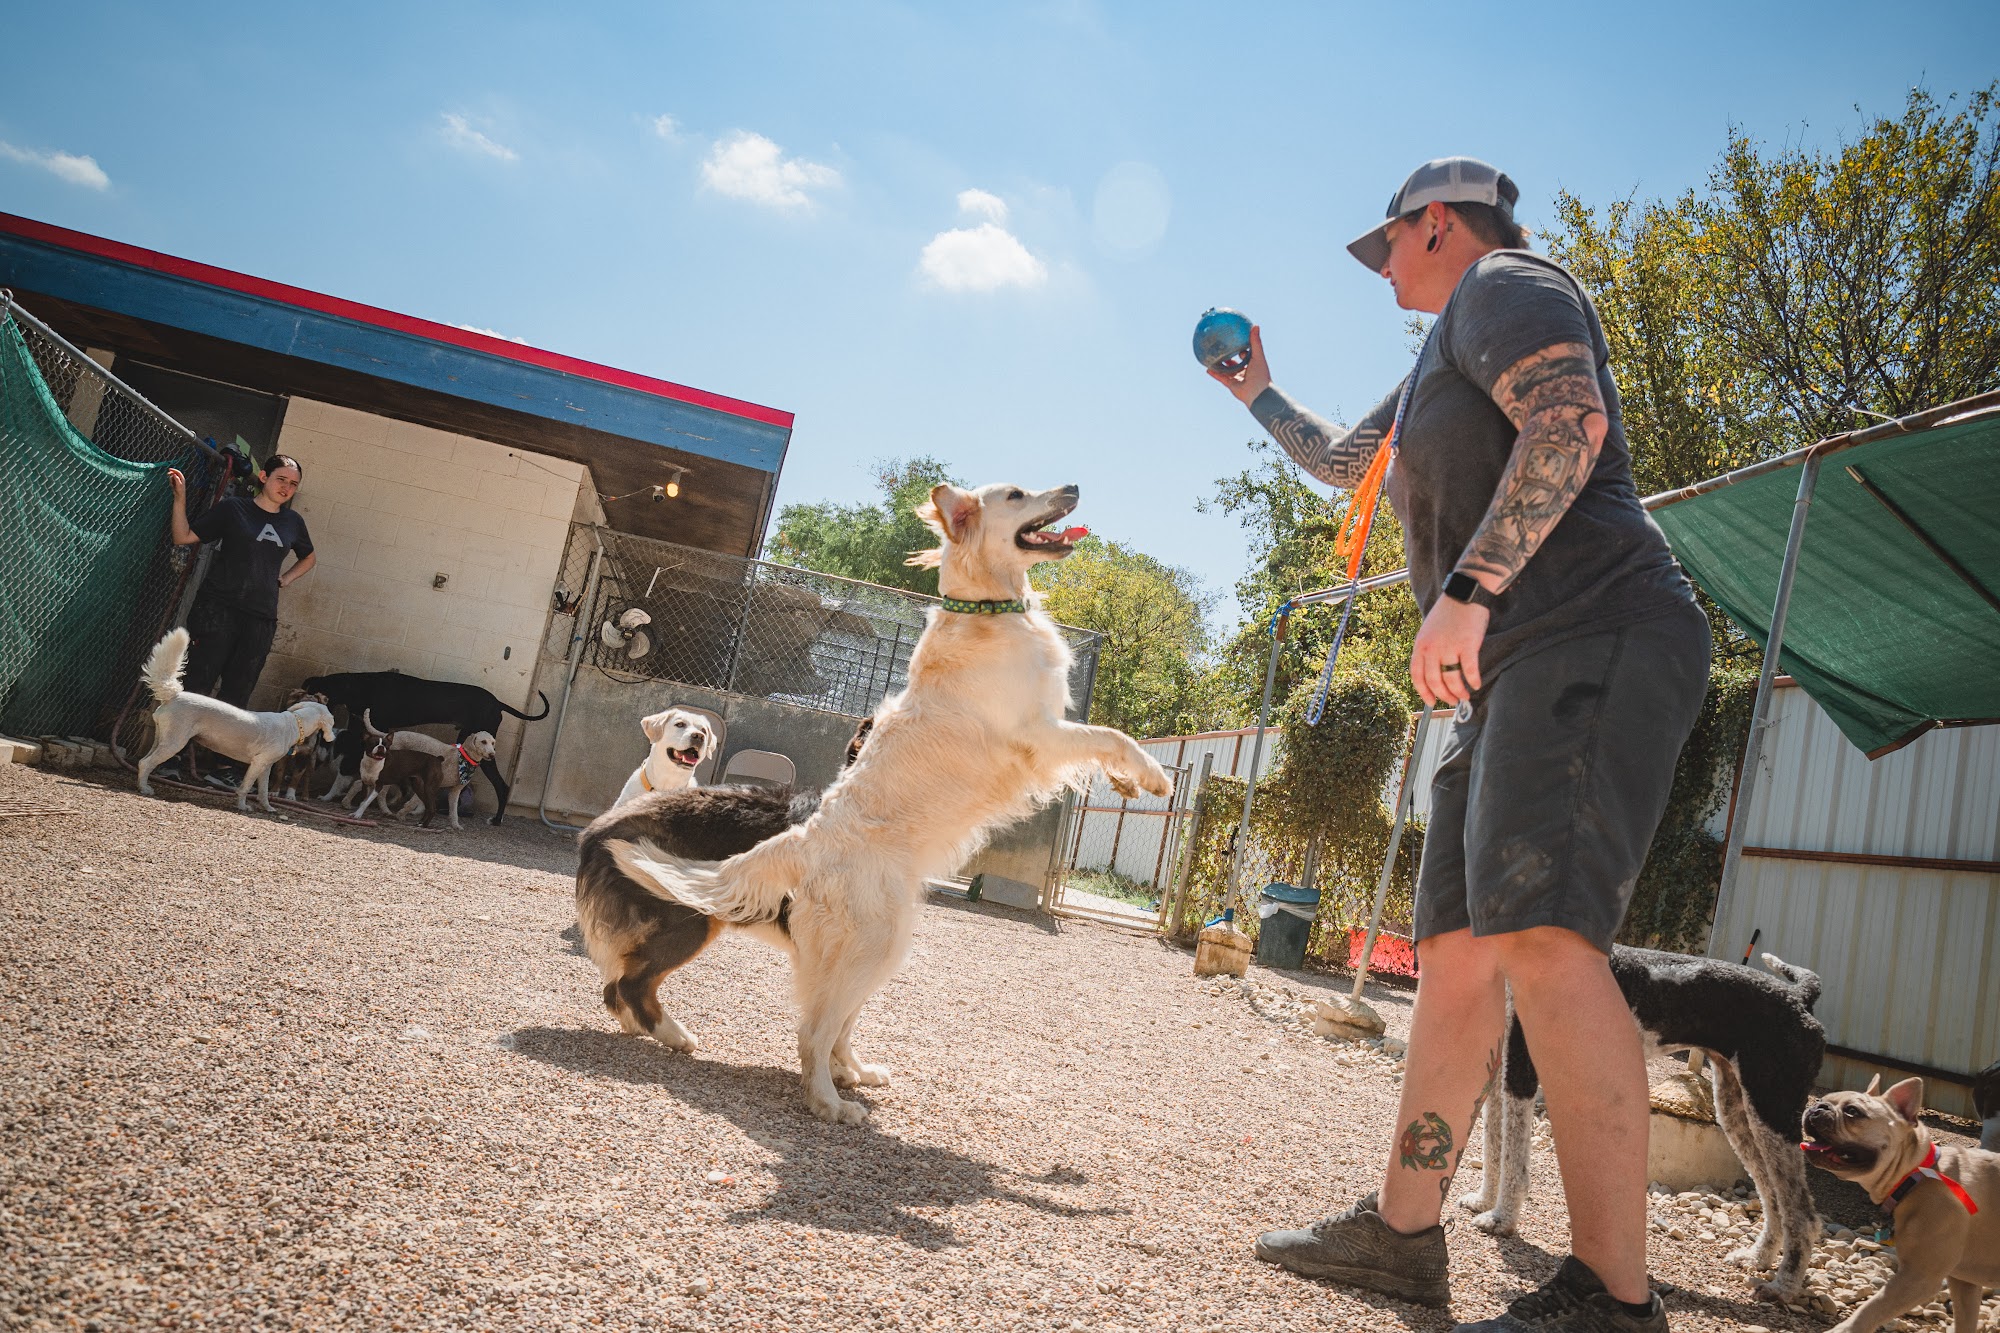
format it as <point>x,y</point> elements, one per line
<point>1560,627</point>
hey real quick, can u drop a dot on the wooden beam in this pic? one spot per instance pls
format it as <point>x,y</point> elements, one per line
<point>1874,859</point>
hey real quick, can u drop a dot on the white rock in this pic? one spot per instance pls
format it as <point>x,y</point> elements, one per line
<point>700,1286</point>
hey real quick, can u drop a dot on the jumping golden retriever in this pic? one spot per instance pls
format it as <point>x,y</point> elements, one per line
<point>975,741</point>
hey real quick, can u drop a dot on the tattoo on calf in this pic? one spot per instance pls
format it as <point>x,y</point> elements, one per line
<point>1425,1144</point>
<point>1550,397</point>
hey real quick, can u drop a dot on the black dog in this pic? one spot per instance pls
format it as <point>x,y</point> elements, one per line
<point>396,700</point>
<point>1764,1049</point>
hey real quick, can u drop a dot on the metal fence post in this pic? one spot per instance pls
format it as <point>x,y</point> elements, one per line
<point>1406,797</point>
<point>1234,889</point>
<point>1753,747</point>
<point>586,607</point>
<point>1184,850</point>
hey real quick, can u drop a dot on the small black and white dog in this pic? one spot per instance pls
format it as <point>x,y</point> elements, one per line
<point>1764,1049</point>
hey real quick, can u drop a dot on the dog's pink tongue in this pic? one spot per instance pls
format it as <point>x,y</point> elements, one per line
<point>1073,534</point>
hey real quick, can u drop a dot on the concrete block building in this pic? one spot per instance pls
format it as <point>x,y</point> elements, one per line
<point>443,467</point>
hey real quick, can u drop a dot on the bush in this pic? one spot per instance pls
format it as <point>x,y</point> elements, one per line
<point>1320,816</point>
<point>1674,899</point>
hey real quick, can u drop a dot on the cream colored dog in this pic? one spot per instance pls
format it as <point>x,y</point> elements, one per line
<point>975,741</point>
<point>1944,1200</point>
<point>257,740</point>
<point>680,741</point>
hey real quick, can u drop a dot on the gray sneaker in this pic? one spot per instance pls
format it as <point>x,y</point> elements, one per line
<point>1573,1301</point>
<point>1358,1248</point>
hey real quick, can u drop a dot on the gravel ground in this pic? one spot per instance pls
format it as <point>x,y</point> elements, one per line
<point>264,1072</point>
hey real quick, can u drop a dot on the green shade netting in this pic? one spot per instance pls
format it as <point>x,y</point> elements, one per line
<point>78,531</point>
<point>1880,631</point>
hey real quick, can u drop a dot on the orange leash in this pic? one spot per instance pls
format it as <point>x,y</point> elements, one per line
<point>1361,507</point>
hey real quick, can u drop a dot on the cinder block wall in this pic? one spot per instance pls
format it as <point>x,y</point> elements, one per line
<point>391,506</point>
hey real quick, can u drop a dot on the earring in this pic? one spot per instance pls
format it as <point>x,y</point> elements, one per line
<point>1432,244</point>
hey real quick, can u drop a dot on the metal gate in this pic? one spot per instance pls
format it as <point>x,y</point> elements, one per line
<point>1119,859</point>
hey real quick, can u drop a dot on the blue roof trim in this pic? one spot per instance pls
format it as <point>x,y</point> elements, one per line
<point>274,326</point>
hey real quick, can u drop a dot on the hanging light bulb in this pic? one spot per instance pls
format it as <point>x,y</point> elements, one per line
<point>673,488</point>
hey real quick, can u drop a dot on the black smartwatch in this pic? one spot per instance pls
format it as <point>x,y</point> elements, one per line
<point>1462,587</point>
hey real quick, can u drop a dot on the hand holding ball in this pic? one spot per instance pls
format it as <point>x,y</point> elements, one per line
<point>1222,341</point>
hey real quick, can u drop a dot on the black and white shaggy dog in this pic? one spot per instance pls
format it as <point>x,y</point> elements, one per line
<point>397,700</point>
<point>1764,1049</point>
<point>636,937</point>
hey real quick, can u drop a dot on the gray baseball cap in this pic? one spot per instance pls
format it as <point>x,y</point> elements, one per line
<point>1448,180</point>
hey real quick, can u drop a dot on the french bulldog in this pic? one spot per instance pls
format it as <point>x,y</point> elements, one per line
<point>1880,1145</point>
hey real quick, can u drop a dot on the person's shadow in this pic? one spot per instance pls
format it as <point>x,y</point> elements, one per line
<point>870,1186</point>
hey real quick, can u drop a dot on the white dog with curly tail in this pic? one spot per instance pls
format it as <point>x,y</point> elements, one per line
<point>256,740</point>
<point>974,742</point>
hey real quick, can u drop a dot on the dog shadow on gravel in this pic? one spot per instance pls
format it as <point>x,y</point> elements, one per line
<point>833,1177</point>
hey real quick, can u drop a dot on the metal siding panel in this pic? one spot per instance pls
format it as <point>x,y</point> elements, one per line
<point>1931,798</point>
<point>1907,1007</point>
<point>1984,987</point>
<point>1862,1020</point>
<point>1961,954</point>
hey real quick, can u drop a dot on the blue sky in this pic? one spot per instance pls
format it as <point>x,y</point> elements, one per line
<point>977,231</point>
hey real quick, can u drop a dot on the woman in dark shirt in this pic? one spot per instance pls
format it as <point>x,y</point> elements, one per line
<point>235,614</point>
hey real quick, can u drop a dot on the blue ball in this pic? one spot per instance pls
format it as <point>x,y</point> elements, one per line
<point>1222,340</point>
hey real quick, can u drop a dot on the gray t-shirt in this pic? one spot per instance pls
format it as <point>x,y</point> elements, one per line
<point>1605,563</point>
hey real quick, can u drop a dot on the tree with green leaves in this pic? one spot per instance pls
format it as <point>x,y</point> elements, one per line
<point>1801,293</point>
<point>1296,526</point>
<point>1152,676</point>
<point>866,541</point>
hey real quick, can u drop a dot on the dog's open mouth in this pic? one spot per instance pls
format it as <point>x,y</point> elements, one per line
<point>1832,1156</point>
<point>1041,535</point>
<point>687,758</point>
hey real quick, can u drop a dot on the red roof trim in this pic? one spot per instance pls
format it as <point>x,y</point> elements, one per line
<point>264,289</point>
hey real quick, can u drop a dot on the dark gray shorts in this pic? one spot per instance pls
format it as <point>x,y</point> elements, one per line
<point>1547,797</point>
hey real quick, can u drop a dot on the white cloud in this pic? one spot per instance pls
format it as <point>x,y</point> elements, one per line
<point>748,166</point>
<point>492,333</point>
<point>72,167</point>
<point>460,134</point>
<point>981,204</point>
<point>980,259</point>
<point>666,127</point>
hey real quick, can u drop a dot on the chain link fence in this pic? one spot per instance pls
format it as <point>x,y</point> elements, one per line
<point>650,610</point>
<point>89,575</point>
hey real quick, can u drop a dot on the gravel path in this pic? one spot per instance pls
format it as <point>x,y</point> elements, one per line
<point>277,1073</point>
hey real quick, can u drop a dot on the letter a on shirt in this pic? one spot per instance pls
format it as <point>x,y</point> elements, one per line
<point>270,534</point>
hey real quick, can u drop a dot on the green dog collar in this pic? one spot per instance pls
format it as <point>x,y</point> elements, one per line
<point>983,608</point>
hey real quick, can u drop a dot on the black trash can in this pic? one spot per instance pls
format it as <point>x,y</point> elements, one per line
<point>1285,913</point>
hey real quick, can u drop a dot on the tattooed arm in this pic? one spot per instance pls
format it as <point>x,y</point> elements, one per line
<point>1337,455</point>
<point>1552,398</point>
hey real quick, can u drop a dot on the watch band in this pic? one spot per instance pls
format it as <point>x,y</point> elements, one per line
<point>1462,587</point>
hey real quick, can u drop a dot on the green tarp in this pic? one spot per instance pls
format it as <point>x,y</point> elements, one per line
<point>1880,632</point>
<point>78,531</point>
